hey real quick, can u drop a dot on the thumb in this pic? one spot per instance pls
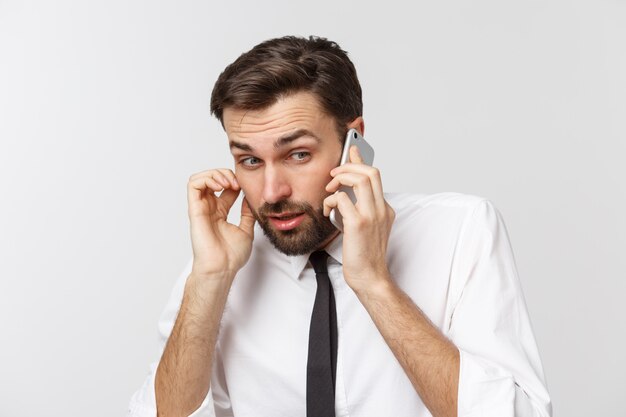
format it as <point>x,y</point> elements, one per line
<point>228,196</point>
<point>247,219</point>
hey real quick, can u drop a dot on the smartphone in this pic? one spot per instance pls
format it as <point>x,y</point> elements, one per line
<point>367,153</point>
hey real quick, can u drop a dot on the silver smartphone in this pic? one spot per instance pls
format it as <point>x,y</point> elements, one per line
<point>367,153</point>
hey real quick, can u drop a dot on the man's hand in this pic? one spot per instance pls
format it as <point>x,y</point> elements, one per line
<point>366,224</point>
<point>218,246</point>
<point>429,360</point>
<point>220,249</point>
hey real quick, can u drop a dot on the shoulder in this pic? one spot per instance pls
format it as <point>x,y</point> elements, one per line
<point>445,202</point>
<point>441,214</point>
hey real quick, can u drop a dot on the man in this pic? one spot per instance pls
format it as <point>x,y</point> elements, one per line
<point>415,309</point>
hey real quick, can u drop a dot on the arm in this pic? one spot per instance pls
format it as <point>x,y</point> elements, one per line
<point>191,320</point>
<point>494,360</point>
<point>184,372</point>
<point>143,401</point>
<point>501,371</point>
<point>430,361</point>
<point>220,250</point>
<point>428,358</point>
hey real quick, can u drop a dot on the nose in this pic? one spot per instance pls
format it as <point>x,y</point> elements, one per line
<point>276,185</point>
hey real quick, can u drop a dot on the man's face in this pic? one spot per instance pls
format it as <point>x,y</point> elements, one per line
<point>283,157</point>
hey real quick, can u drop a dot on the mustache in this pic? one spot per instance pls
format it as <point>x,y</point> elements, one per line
<point>285,206</point>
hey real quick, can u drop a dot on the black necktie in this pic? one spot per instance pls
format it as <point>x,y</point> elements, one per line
<point>322,360</point>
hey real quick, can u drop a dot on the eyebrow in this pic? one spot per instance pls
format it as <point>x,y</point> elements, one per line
<point>280,142</point>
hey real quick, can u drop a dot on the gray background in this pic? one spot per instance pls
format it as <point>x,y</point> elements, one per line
<point>104,116</point>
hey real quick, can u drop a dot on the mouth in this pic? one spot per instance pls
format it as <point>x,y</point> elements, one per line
<point>286,221</point>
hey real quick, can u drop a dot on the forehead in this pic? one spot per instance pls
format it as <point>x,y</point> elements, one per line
<point>296,111</point>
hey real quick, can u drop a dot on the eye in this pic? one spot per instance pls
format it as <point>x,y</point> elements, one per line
<point>300,156</point>
<point>250,162</point>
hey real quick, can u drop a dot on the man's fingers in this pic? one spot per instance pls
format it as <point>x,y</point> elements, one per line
<point>247,219</point>
<point>374,176</point>
<point>229,196</point>
<point>205,186</point>
<point>229,176</point>
<point>362,190</point>
<point>202,183</point>
<point>342,202</point>
<point>197,187</point>
<point>355,154</point>
<point>224,176</point>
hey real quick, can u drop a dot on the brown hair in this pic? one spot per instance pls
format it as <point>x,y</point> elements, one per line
<point>282,66</point>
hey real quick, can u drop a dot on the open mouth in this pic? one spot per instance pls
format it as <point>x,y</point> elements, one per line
<point>286,216</point>
<point>287,221</point>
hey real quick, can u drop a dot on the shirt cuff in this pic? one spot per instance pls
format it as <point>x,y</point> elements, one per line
<point>485,390</point>
<point>143,402</point>
<point>206,409</point>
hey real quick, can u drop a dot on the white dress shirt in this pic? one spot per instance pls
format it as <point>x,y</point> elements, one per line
<point>449,252</point>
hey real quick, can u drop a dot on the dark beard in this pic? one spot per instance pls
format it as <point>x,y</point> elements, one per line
<point>303,239</point>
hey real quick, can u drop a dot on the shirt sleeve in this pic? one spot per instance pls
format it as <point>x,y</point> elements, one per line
<point>143,401</point>
<point>500,368</point>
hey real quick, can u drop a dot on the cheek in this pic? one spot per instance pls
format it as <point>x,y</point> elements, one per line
<point>314,183</point>
<point>250,188</point>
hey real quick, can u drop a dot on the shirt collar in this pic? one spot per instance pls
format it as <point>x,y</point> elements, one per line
<point>334,249</point>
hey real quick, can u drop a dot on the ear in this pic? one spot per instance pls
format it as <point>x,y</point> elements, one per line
<point>358,124</point>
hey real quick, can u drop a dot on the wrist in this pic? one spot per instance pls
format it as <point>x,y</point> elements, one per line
<point>209,282</point>
<point>378,286</point>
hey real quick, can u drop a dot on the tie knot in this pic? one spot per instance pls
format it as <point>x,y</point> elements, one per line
<point>318,260</point>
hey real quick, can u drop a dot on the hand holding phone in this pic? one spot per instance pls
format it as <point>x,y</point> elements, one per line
<point>367,153</point>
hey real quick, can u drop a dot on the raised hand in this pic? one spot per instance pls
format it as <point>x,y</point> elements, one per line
<point>220,249</point>
<point>366,224</point>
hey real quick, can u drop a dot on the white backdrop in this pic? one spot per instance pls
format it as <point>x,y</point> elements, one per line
<point>104,115</point>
